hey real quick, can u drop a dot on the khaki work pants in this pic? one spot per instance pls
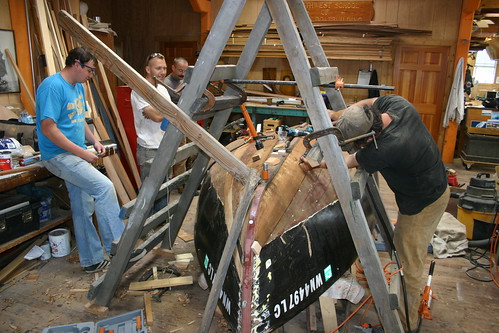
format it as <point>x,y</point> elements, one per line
<point>412,235</point>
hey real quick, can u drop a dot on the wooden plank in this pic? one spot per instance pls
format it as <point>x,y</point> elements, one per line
<point>328,311</point>
<point>20,258</point>
<point>59,59</point>
<point>161,283</point>
<point>185,236</point>
<point>45,37</point>
<point>100,133</point>
<point>148,309</point>
<point>174,114</point>
<point>129,154</point>
<point>21,78</point>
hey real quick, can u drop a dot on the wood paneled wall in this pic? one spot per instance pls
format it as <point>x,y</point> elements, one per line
<point>142,24</point>
<point>441,17</point>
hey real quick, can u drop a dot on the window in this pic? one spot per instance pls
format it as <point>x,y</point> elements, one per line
<point>485,68</point>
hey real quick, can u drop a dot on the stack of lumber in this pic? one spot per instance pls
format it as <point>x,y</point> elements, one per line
<point>345,41</point>
<point>52,44</point>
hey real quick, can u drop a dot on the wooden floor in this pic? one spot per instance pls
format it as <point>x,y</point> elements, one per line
<point>55,297</point>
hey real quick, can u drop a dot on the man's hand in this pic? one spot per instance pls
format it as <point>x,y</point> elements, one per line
<point>88,156</point>
<point>100,149</point>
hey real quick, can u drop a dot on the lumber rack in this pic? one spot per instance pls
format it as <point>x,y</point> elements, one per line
<point>283,14</point>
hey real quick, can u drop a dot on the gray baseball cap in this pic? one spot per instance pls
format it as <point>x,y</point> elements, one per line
<point>354,121</point>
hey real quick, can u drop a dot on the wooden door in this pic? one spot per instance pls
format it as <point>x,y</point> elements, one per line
<point>419,76</point>
<point>172,50</point>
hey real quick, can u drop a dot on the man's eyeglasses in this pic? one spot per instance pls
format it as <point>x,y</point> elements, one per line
<point>155,55</point>
<point>89,68</point>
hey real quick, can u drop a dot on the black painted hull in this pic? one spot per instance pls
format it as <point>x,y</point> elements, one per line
<point>290,272</point>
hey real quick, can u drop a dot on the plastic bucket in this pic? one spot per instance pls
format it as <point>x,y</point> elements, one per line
<point>59,242</point>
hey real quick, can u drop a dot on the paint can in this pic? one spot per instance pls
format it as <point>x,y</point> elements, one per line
<point>59,242</point>
<point>5,160</point>
<point>46,251</point>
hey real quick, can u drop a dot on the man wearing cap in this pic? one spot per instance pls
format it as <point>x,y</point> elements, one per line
<point>406,155</point>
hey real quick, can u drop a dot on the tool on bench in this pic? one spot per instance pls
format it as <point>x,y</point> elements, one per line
<point>424,308</point>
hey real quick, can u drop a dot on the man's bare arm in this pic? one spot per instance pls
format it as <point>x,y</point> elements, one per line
<point>151,113</point>
<point>50,130</point>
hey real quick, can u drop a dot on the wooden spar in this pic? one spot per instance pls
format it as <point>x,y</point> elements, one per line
<point>172,112</point>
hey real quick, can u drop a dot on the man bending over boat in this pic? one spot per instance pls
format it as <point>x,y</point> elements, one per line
<point>406,155</point>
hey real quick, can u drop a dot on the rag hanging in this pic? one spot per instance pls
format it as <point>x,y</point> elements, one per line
<point>455,104</point>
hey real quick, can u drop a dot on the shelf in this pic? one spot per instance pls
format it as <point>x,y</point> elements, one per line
<point>64,216</point>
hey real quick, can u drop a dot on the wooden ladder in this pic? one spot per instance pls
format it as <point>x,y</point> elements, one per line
<point>205,70</point>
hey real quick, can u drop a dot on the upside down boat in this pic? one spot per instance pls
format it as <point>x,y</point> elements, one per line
<point>295,242</point>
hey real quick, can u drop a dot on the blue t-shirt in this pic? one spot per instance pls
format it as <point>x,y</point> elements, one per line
<point>65,104</point>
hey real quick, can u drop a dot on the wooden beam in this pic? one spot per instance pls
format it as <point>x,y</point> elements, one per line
<point>27,91</point>
<point>45,37</point>
<point>161,283</point>
<point>173,113</point>
<point>148,309</point>
<point>463,46</point>
<point>20,258</point>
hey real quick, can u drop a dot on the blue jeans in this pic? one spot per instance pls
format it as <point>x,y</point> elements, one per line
<point>89,190</point>
<point>145,156</point>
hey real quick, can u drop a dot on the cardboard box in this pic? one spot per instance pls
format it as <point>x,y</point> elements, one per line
<point>478,121</point>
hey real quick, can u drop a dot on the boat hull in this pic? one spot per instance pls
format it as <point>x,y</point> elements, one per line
<point>289,272</point>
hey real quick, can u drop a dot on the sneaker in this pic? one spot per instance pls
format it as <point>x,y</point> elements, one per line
<point>97,267</point>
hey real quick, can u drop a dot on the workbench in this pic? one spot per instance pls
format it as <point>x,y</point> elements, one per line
<point>272,110</point>
<point>10,179</point>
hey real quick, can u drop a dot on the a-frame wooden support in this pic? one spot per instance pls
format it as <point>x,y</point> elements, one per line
<point>280,11</point>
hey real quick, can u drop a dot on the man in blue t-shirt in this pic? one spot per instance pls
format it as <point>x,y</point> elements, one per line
<point>62,133</point>
<point>406,155</point>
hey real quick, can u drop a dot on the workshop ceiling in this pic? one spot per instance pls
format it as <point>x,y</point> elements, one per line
<point>485,24</point>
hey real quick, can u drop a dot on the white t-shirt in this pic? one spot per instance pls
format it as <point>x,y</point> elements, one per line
<point>149,133</point>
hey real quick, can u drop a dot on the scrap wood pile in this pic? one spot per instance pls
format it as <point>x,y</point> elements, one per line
<point>50,48</point>
<point>340,41</point>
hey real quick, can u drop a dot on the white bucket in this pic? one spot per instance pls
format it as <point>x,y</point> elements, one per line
<point>59,242</point>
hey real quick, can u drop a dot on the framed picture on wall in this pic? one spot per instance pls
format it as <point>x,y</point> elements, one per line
<point>9,82</point>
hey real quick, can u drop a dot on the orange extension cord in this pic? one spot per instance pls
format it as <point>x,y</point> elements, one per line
<point>359,276</point>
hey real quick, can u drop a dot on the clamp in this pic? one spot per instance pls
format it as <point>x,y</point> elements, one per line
<point>335,131</point>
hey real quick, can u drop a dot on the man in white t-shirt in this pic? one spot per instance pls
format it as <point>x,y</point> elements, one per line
<point>146,118</point>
